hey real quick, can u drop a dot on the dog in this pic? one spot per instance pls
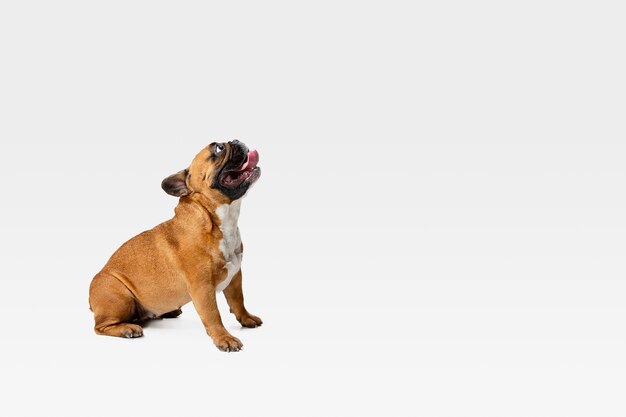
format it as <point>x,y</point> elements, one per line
<point>190,257</point>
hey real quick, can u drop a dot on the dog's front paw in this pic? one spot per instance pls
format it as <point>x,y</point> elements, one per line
<point>228,343</point>
<point>250,321</point>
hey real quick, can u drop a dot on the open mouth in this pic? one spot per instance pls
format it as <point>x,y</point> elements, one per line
<point>247,171</point>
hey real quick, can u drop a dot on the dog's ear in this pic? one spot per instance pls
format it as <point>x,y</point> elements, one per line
<point>176,184</point>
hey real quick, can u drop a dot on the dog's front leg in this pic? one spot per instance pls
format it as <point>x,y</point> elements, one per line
<point>234,297</point>
<point>204,300</point>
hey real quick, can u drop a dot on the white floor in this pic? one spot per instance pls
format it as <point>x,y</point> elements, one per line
<point>461,338</point>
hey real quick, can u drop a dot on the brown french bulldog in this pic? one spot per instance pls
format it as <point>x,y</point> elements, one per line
<point>190,257</point>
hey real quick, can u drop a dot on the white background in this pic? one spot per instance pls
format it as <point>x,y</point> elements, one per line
<point>439,227</point>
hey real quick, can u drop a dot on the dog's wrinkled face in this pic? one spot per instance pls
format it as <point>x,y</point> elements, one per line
<point>220,171</point>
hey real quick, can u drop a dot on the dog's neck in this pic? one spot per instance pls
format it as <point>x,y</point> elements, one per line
<point>229,215</point>
<point>209,212</point>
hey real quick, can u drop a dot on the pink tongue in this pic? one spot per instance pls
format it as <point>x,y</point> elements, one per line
<point>253,159</point>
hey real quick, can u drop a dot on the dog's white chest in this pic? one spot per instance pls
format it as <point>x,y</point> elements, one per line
<point>230,244</point>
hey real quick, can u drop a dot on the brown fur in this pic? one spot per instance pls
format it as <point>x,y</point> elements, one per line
<point>155,273</point>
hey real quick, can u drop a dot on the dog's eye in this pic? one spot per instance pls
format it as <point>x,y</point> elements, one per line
<point>218,149</point>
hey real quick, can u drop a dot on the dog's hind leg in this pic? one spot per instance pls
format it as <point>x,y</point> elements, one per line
<point>114,307</point>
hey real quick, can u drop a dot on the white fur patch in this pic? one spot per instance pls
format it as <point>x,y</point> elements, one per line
<point>230,244</point>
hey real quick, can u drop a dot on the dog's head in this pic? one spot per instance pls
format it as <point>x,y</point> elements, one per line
<point>221,171</point>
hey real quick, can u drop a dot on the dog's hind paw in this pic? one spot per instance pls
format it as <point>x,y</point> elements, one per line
<point>172,314</point>
<point>131,331</point>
